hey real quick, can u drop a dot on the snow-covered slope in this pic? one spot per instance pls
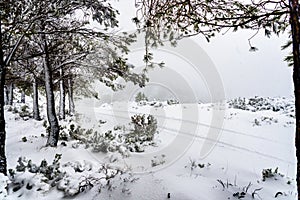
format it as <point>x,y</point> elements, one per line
<point>201,151</point>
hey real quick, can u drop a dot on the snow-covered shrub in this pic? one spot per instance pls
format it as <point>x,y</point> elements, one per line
<point>238,103</point>
<point>134,138</point>
<point>172,102</point>
<point>142,133</point>
<point>28,175</point>
<point>289,124</point>
<point>81,177</point>
<point>68,129</point>
<point>71,178</point>
<point>283,105</point>
<point>103,142</point>
<point>110,141</point>
<point>193,164</point>
<point>270,173</point>
<point>9,108</point>
<point>74,129</point>
<point>119,127</point>
<point>71,131</point>
<point>24,112</point>
<point>264,120</point>
<point>144,127</point>
<point>24,139</point>
<point>239,192</point>
<point>49,171</point>
<point>256,122</point>
<point>156,104</point>
<point>158,160</point>
<point>15,110</point>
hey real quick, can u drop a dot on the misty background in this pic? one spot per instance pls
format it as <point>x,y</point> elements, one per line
<point>239,71</point>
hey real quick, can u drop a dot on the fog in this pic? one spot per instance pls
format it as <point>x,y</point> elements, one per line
<point>222,68</point>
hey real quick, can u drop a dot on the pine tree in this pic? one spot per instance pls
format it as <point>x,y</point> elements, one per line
<point>24,18</point>
<point>44,27</point>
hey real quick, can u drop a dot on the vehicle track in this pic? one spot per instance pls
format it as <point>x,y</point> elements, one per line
<point>217,142</point>
<point>205,125</point>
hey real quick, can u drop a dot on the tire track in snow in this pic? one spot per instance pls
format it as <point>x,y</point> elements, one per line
<point>204,125</point>
<point>218,142</point>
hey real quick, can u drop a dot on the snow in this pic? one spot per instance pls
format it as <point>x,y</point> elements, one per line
<point>197,148</point>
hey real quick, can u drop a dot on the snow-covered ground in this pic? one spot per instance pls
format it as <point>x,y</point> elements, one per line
<point>201,151</point>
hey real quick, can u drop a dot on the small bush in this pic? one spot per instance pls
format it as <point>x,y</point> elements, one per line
<point>103,142</point>
<point>122,139</point>
<point>142,133</point>
<point>264,120</point>
<point>172,102</point>
<point>269,173</point>
<point>282,105</point>
<point>15,110</point>
<point>24,139</point>
<point>24,113</point>
<point>158,160</point>
<point>28,177</point>
<point>239,192</point>
<point>9,109</point>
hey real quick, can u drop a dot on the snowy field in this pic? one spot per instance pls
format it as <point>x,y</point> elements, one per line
<point>235,150</point>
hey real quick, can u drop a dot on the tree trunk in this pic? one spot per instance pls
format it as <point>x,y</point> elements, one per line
<point>6,95</point>
<point>71,98</point>
<point>62,93</point>
<point>11,94</point>
<point>36,111</point>
<point>23,96</point>
<point>295,26</point>
<point>3,164</point>
<point>51,115</point>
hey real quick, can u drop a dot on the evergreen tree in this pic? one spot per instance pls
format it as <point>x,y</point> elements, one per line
<point>23,18</point>
<point>140,97</point>
<point>45,27</point>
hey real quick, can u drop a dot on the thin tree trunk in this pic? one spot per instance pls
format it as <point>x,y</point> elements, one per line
<point>70,95</point>
<point>295,26</point>
<point>62,102</point>
<point>6,95</point>
<point>51,115</point>
<point>11,94</point>
<point>23,96</point>
<point>3,164</point>
<point>36,111</point>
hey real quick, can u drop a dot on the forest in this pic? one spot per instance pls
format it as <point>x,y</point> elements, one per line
<point>61,138</point>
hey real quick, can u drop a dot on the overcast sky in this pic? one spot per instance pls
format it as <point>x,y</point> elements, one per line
<point>242,73</point>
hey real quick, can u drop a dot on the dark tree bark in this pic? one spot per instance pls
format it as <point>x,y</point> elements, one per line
<point>295,26</point>
<point>62,95</point>
<point>70,95</point>
<point>6,95</point>
<point>36,111</point>
<point>23,96</point>
<point>11,94</point>
<point>51,115</point>
<point>3,165</point>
